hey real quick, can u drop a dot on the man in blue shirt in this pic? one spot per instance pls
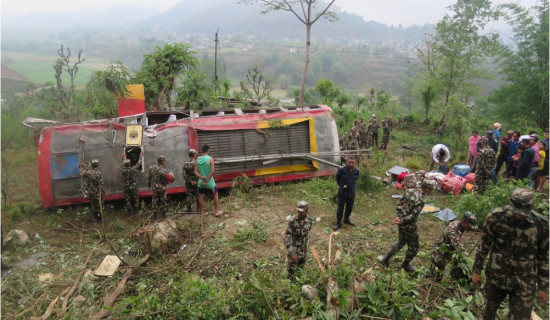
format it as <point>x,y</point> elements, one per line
<point>346,177</point>
<point>513,145</point>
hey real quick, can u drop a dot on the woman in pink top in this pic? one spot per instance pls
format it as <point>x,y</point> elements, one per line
<point>472,149</point>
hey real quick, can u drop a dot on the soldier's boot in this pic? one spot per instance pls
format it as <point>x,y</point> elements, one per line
<point>337,226</point>
<point>385,260</point>
<point>406,266</point>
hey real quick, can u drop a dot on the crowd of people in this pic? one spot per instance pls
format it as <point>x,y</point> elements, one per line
<point>361,136</point>
<point>198,174</point>
<point>522,156</point>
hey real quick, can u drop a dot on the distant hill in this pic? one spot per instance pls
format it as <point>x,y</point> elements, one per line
<point>188,16</point>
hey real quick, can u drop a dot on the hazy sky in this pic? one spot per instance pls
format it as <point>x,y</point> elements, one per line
<point>391,12</point>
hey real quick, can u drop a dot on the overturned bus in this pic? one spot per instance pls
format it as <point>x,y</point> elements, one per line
<point>268,145</point>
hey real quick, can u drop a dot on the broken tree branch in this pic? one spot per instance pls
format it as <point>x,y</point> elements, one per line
<point>75,284</point>
<point>109,299</point>
<point>49,311</point>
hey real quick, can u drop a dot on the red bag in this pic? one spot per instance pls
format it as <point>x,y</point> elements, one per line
<point>470,177</point>
<point>401,176</point>
<point>453,183</point>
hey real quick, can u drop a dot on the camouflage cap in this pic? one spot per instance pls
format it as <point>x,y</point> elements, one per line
<point>353,128</point>
<point>373,115</point>
<point>95,163</point>
<point>161,158</point>
<point>522,201</point>
<point>126,161</point>
<point>192,152</point>
<point>470,219</point>
<point>302,205</point>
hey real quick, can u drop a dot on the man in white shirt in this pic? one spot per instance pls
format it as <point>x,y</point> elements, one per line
<point>440,154</point>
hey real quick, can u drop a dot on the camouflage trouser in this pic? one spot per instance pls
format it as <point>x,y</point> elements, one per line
<point>191,195</point>
<point>374,139</point>
<point>481,181</point>
<point>440,259</point>
<point>132,199</point>
<point>519,292</point>
<point>95,206</point>
<point>409,237</point>
<point>385,139</point>
<point>159,202</point>
<point>291,268</point>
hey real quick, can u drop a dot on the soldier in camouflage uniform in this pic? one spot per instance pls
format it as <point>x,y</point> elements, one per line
<point>157,181</point>
<point>344,140</point>
<point>485,162</point>
<point>363,135</point>
<point>386,136</point>
<point>129,173</point>
<point>374,131</point>
<point>517,238</point>
<point>389,122</point>
<point>190,178</point>
<point>408,208</point>
<point>452,241</point>
<point>297,237</point>
<point>353,139</point>
<point>96,190</point>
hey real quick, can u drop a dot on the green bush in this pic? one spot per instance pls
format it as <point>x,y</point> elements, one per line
<point>495,196</point>
<point>368,183</point>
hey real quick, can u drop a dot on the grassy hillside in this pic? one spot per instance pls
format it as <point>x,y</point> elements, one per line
<point>234,267</point>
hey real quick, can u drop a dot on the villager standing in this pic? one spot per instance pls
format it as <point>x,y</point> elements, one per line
<point>543,167</point>
<point>525,162</point>
<point>408,208</point>
<point>472,147</point>
<point>129,173</point>
<point>206,184</point>
<point>504,150</point>
<point>346,177</point>
<point>485,163</point>
<point>191,180</point>
<point>513,145</point>
<point>386,135</point>
<point>517,238</point>
<point>450,243</point>
<point>95,189</point>
<point>297,237</point>
<point>157,181</point>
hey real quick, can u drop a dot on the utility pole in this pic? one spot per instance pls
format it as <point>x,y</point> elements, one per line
<point>216,43</point>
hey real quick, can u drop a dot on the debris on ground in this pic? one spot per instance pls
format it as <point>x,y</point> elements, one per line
<point>32,260</point>
<point>159,237</point>
<point>108,266</point>
<point>310,292</point>
<point>15,238</point>
<point>446,215</point>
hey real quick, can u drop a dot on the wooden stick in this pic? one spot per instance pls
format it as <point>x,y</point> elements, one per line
<point>316,258</point>
<point>330,249</point>
<point>49,311</point>
<point>75,285</point>
<point>109,299</point>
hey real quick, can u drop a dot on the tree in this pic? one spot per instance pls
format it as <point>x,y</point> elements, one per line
<point>64,107</point>
<point>104,88</point>
<point>261,86</point>
<point>428,96</point>
<point>525,67</point>
<point>342,99</point>
<point>327,91</point>
<point>458,115</point>
<point>196,92</point>
<point>382,100</point>
<point>307,13</point>
<point>161,69</point>
<point>452,56</point>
